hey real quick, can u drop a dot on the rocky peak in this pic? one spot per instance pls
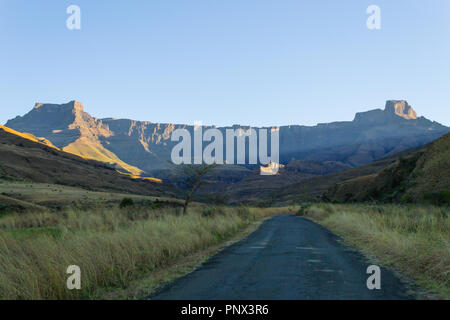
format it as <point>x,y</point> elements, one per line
<point>400,108</point>
<point>60,123</point>
<point>393,110</point>
<point>78,106</point>
<point>73,106</point>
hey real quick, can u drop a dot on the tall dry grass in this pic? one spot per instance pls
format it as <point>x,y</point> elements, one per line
<point>112,247</point>
<point>414,239</point>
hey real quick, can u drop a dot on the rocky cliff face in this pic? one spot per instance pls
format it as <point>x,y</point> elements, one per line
<point>71,129</point>
<point>139,145</point>
<point>62,124</point>
<point>370,136</point>
<point>401,108</point>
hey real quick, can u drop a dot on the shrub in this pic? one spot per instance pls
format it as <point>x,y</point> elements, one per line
<point>157,205</point>
<point>207,212</point>
<point>126,202</point>
<point>437,198</point>
<point>407,198</point>
<point>445,197</point>
<point>302,211</point>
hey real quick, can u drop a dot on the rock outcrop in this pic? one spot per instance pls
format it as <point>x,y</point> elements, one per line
<point>401,108</point>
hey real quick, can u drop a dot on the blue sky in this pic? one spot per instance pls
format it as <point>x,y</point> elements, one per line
<point>256,62</point>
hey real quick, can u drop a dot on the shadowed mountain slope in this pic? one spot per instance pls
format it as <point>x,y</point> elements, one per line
<point>313,188</point>
<point>255,188</point>
<point>422,176</point>
<point>25,159</point>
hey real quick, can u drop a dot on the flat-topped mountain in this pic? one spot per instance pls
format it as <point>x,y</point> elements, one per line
<point>71,129</point>
<point>138,146</point>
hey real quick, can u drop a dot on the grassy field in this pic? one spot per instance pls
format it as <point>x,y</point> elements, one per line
<point>112,246</point>
<point>54,196</point>
<point>413,239</point>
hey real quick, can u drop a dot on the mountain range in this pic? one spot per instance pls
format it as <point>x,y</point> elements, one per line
<point>142,147</point>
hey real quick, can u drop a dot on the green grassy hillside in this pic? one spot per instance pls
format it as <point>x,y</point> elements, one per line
<point>313,188</point>
<point>421,177</point>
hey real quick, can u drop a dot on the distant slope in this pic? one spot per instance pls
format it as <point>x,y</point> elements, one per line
<point>422,176</point>
<point>25,159</point>
<point>256,188</point>
<point>313,188</point>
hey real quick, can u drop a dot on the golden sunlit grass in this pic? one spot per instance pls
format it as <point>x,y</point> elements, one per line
<point>29,136</point>
<point>132,176</point>
<point>92,149</point>
<point>414,239</point>
<point>113,247</point>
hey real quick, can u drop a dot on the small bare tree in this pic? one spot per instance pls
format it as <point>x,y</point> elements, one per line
<point>192,177</point>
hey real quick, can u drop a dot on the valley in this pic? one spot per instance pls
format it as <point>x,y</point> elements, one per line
<point>102,193</point>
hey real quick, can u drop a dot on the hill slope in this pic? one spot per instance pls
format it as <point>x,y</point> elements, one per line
<point>26,159</point>
<point>313,188</point>
<point>422,176</point>
<point>255,188</point>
